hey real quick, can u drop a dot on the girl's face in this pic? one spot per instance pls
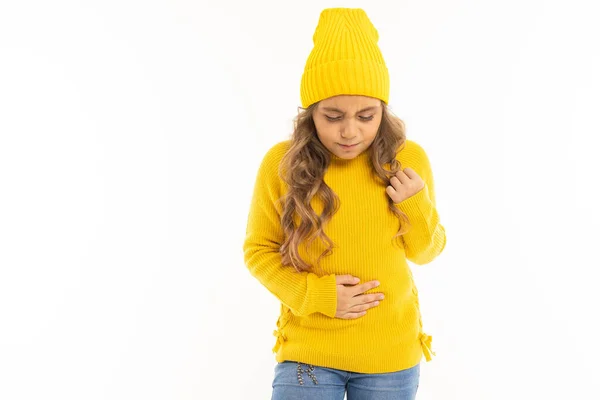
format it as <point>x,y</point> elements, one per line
<point>348,120</point>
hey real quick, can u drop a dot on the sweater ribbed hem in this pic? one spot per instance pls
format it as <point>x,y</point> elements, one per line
<point>394,359</point>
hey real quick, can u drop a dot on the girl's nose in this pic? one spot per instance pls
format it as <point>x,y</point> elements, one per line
<point>348,131</point>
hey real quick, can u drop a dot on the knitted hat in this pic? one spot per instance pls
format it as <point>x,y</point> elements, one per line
<point>345,58</point>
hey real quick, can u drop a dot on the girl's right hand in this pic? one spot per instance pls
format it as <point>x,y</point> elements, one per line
<point>349,304</point>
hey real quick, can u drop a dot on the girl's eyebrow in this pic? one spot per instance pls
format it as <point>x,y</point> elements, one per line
<point>341,112</point>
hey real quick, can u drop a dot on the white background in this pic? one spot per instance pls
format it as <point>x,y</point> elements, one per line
<point>130,136</point>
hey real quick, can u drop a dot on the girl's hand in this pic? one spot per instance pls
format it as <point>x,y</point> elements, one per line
<point>351,303</point>
<point>404,185</point>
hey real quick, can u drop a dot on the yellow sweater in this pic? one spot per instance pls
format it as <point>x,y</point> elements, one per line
<point>390,336</point>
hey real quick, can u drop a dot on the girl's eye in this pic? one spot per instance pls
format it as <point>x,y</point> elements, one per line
<point>338,118</point>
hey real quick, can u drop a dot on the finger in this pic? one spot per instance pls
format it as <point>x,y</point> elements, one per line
<point>405,176</point>
<point>391,192</point>
<point>365,306</point>
<point>362,308</point>
<point>346,280</point>
<point>358,289</point>
<point>410,173</point>
<point>367,299</point>
<point>359,307</point>
<point>354,315</point>
<point>395,182</point>
<point>400,174</point>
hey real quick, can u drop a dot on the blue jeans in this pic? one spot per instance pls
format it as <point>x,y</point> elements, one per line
<point>298,381</point>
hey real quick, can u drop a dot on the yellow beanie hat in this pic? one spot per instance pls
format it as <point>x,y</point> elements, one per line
<point>345,58</point>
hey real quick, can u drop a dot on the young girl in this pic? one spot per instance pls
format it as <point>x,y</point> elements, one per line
<point>350,318</point>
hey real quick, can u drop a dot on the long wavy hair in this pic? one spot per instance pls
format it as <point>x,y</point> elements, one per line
<point>302,169</point>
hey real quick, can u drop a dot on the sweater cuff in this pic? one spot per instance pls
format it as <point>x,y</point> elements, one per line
<point>322,294</point>
<point>417,203</point>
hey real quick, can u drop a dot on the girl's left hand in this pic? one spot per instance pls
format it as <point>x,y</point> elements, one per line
<point>404,184</point>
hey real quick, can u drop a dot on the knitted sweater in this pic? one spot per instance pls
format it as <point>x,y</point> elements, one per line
<point>390,336</point>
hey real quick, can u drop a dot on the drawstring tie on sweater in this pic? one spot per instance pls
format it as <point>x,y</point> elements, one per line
<point>280,339</point>
<point>426,346</point>
<point>282,321</point>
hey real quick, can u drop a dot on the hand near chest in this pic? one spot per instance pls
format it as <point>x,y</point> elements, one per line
<point>404,184</point>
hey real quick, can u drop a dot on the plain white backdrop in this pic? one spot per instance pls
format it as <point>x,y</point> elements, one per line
<point>130,137</point>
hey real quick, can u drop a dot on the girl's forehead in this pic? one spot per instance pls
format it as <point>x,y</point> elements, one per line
<point>349,102</point>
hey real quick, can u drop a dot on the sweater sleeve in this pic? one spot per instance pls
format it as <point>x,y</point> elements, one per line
<point>426,238</point>
<point>303,293</point>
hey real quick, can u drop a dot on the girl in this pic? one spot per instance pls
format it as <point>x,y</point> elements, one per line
<point>350,319</point>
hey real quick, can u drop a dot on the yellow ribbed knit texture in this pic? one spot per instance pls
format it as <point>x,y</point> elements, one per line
<point>390,336</point>
<point>345,59</point>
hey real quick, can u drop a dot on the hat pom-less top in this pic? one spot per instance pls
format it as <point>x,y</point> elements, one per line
<point>345,59</point>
